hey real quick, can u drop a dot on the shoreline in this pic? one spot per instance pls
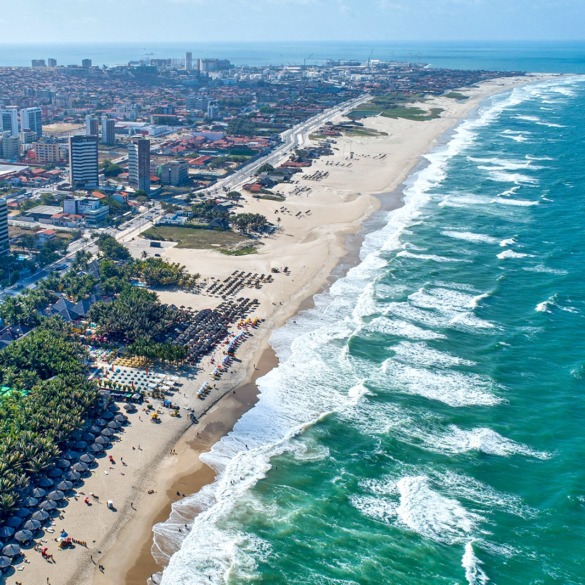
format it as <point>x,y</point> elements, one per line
<point>328,250</point>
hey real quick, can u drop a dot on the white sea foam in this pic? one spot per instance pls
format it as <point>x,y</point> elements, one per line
<point>456,389</point>
<point>470,237</point>
<point>553,303</point>
<point>544,269</point>
<point>509,177</point>
<point>515,202</point>
<point>483,440</point>
<point>432,257</point>
<point>527,118</point>
<point>511,254</point>
<point>421,354</point>
<point>455,200</point>
<point>401,328</point>
<point>474,574</point>
<point>507,242</point>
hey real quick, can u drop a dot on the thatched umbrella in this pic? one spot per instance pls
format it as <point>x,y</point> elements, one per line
<point>108,414</point>
<point>114,424</point>
<point>32,525</point>
<point>96,448</point>
<point>64,485</point>
<point>48,505</point>
<point>6,531</point>
<point>102,441</point>
<point>107,432</point>
<point>23,513</point>
<point>30,502</point>
<point>45,482</point>
<point>121,418</point>
<point>63,463</point>
<point>23,536</point>
<point>11,550</point>
<point>39,493</point>
<point>56,472</point>
<point>5,562</point>
<point>56,496</point>
<point>73,476</point>
<point>40,515</point>
<point>14,521</point>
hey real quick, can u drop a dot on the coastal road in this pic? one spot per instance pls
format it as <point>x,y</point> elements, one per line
<point>292,138</point>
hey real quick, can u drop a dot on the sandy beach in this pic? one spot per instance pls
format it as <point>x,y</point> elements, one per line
<point>156,463</point>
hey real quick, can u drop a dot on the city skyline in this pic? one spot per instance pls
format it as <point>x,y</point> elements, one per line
<point>301,20</point>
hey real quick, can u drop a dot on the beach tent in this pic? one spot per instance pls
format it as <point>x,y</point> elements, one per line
<point>11,550</point>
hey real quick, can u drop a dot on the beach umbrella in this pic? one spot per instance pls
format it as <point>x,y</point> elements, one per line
<point>89,437</point>
<point>6,531</point>
<point>11,550</point>
<point>96,448</point>
<point>64,485</point>
<point>48,506</point>
<point>70,456</point>
<point>76,434</point>
<point>81,445</point>
<point>63,463</point>
<point>45,482</point>
<point>23,536</point>
<point>79,467</point>
<point>121,418</point>
<point>30,501</point>
<point>40,515</point>
<point>5,562</point>
<point>14,521</point>
<point>38,493</point>
<point>95,430</point>
<point>108,414</point>
<point>73,476</point>
<point>86,458</point>
<point>107,432</point>
<point>23,512</point>
<point>56,495</point>
<point>102,441</point>
<point>102,422</point>
<point>55,472</point>
<point>32,525</point>
<point>114,424</point>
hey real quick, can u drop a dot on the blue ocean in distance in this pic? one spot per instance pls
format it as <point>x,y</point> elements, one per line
<point>425,424</point>
<point>550,57</point>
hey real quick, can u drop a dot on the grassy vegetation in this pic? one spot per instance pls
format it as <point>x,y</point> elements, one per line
<point>272,197</point>
<point>240,251</point>
<point>455,95</point>
<point>365,132</point>
<point>412,113</point>
<point>194,237</point>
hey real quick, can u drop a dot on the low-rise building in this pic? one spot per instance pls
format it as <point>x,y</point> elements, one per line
<point>174,173</point>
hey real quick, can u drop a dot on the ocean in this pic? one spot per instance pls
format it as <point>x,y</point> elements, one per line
<point>425,424</point>
<point>560,57</point>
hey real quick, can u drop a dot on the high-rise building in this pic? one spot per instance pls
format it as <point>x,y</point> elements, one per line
<point>189,61</point>
<point>31,119</point>
<point>4,242</point>
<point>52,62</point>
<point>91,126</point>
<point>10,146</point>
<point>38,63</point>
<point>139,164</point>
<point>108,130</point>
<point>175,172</point>
<point>83,162</point>
<point>48,150</point>
<point>86,63</point>
<point>9,117</point>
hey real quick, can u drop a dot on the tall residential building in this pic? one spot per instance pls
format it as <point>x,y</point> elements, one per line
<point>139,164</point>
<point>91,126</point>
<point>86,63</point>
<point>52,62</point>
<point>4,242</point>
<point>83,162</point>
<point>49,151</point>
<point>38,63</point>
<point>175,172</point>
<point>9,117</point>
<point>108,130</point>
<point>31,119</point>
<point>189,61</point>
<point>10,146</point>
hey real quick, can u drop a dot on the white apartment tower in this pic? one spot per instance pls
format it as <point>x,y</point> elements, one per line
<point>9,119</point>
<point>91,126</point>
<point>31,119</point>
<point>108,130</point>
<point>83,162</point>
<point>139,164</point>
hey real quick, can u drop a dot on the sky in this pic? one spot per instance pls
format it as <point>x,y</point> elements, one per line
<point>149,21</point>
